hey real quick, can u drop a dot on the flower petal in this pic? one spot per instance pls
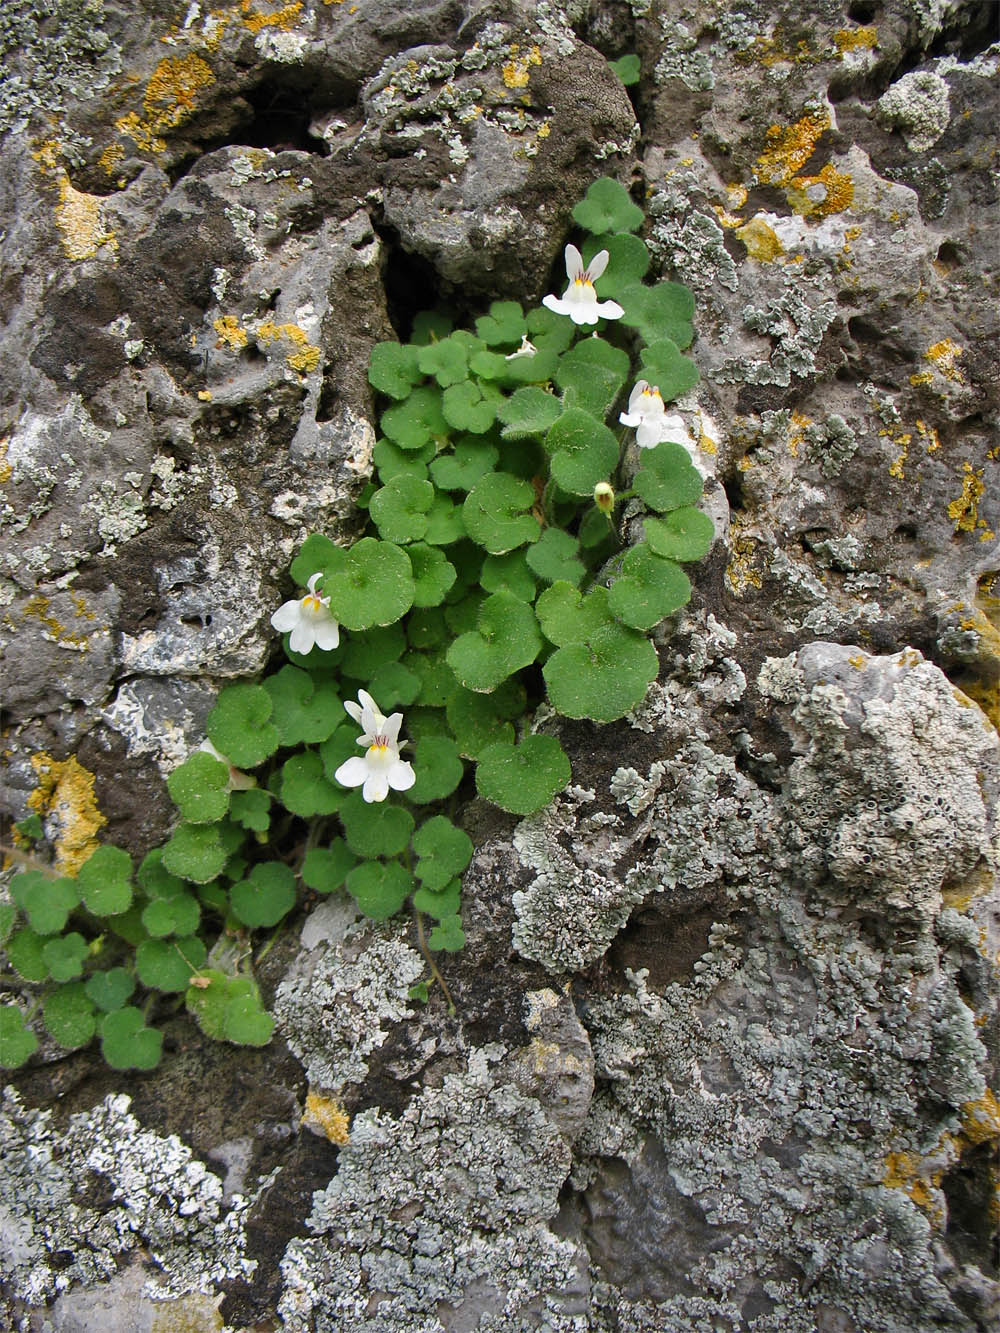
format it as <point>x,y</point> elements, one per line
<point>597,265</point>
<point>574,263</point>
<point>609,309</point>
<point>327,634</point>
<point>376,787</point>
<point>629,418</point>
<point>354,710</point>
<point>582,314</point>
<point>302,637</point>
<point>401,776</point>
<point>352,772</point>
<point>286,617</point>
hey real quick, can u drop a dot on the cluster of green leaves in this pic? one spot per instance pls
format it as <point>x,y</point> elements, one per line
<point>486,566</point>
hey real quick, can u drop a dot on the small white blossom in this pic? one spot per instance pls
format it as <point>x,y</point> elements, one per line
<point>579,300</point>
<point>309,619</point>
<point>526,349</point>
<point>238,780</point>
<point>652,425</point>
<point>380,767</point>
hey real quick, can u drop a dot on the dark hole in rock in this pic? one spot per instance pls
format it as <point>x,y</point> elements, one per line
<point>862,11</point>
<point>967,1188</point>
<point>411,284</point>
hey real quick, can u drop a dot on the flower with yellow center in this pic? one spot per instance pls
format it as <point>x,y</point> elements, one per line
<point>380,767</point>
<point>309,620</point>
<point>579,300</point>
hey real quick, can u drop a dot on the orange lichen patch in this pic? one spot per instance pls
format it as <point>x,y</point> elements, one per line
<point>139,132</point>
<point>726,219</point>
<point>920,1177</point>
<point>778,50</point>
<point>944,355</point>
<point>898,464</point>
<point>980,881</point>
<point>929,435</point>
<point>6,471</point>
<point>964,510</point>
<point>78,217</point>
<point>47,154</point>
<point>981,1119</point>
<point>303,356</point>
<point>829,191</point>
<point>761,240</point>
<point>204,395</point>
<point>231,333</point>
<point>65,799</point>
<point>517,72</point>
<point>797,432</point>
<point>789,148</point>
<point>172,91</point>
<point>855,39</point>
<point>283,19</point>
<point>327,1116</point>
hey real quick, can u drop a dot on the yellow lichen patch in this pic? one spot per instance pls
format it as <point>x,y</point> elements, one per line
<point>109,159</point>
<point>6,471</point>
<point>829,191</point>
<point>898,464</point>
<point>761,240</point>
<point>78,217</point>
<point>944,355</point>
<point>39,608</point>
<point>140,133</point>
<point>981,1119</point>
<point>65,799</point>
<point>204,395</point>
<point>920,1177</point>
<point>194,1313</point>
<point>929,436</point>
<point>47,154</point>
<point>517,72</point>
<point>303,355</point>
<point>172,91</point>
<point>859,661</point>
<point>740,572</point>
<point>283,19</point>
<point>231,333</point>
<point>855,39</point>
<point>964,509</point>
<point>327,1116</point>
<point>961,896</point>
<point>797,432</point>
<point>789,148</point>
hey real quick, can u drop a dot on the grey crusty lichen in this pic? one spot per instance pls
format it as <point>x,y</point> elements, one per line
<point>438,1218</point>
<point>163,1200</point>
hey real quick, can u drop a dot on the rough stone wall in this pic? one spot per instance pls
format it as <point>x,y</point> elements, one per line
<point>726,1019</point>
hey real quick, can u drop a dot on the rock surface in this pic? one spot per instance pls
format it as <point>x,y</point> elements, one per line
<point>726,1021</point>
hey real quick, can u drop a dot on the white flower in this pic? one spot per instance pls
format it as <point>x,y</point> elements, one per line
<point>238,781</point>
<point>310,620</point>
<point>526,349</point>
<point>579,300</point>
<point>652,425</point>
<point>380,767</point>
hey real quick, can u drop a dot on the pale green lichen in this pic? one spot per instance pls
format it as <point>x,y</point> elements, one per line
<point>797,327</point>
<point>830,444</point>
<point>162,1200</point>
<point>918,105</point>
<point>52,50</point>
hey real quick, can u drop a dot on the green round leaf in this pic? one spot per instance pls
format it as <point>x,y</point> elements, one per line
<point>24,952</point>
<point>664,365</point>
<point>399,509</point>
<point>509,573</point>
<point>394,685</point>
<point>590,375</point>
<point>375,586</point>
<point>447,361</point>
<point>439,905</point>
<point>375,828</point>
<point>418,420</point>
<point>443,851</point>
<point>195,852</point>
<point>523,778</point>
<point>437,680</point>
<point>627,68</point>
<point>251,809</point>
<point>607,207</point>
<point>392,461</point>
<point>104,881</point>
<point>649,589</point>
<point>668,479</point>
<point>433,574</point>
<point>447,935</point>
<point>604,668</point>
<point>178,915</point>
<point>628,261</point>
<point>305,710</point>
<point>126,1042</point>
<point>17,1042</point>
<point>46,902</point>
<point>239,725</point>
<point>110,990</point>
<point>429,325</point>
<point>168,965</point>
<point>445,523</point>
<point>556,555</point>
<point>324,869</point>
<point>368,651</point>
<point>503,326</point>
<point>305,789</point>
<point>528,411</point>
<point>426,628</point>
<point>393,369</point>
<point>265,896</point>
<point>155,880</point>
<point>379,890</point>
<point>68,1014</point>
<point>247,1022</point>
<point>478,720</point>
<point>495,513</point>
<point>8,915</point>
<point>663,311</point>
<point>461,469</point>
<point>550,331</point>
<point>471,405</point>
<point>317,554</point>
<point>438,769</point>
<point>64,956</point>
<point>200,787</point>
<point>229,1009</point>
<point>506,638</point>
<point>683,534</point>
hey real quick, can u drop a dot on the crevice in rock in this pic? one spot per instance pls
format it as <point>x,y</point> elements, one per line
<point>411,283</point>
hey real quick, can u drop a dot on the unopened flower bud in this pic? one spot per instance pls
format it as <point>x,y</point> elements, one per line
<point>604,497</point>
